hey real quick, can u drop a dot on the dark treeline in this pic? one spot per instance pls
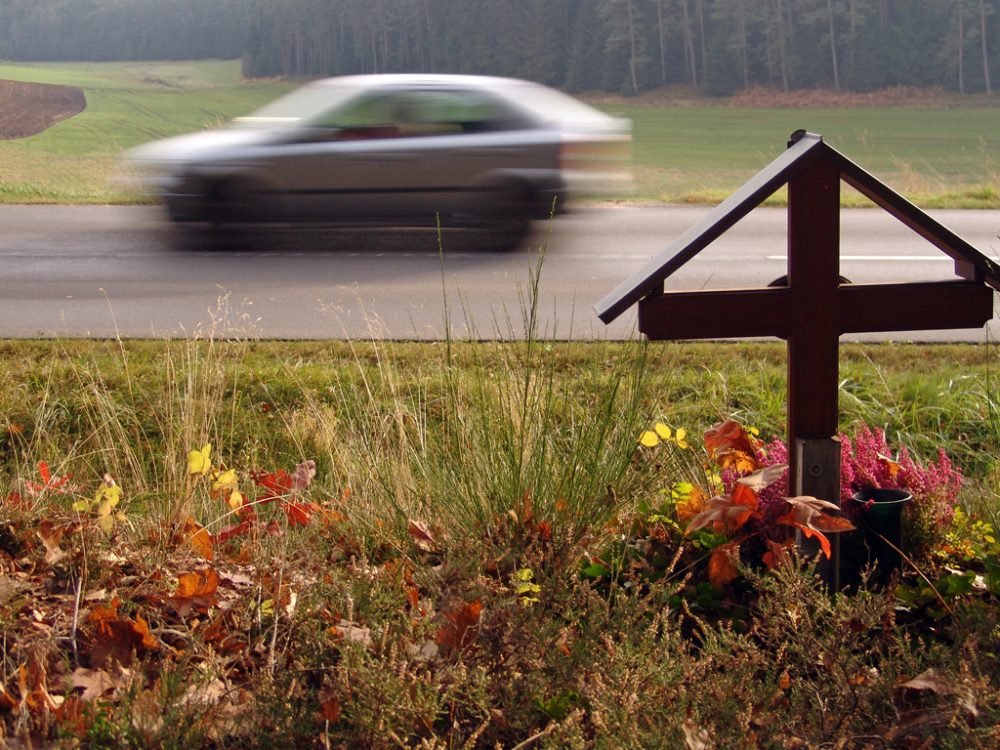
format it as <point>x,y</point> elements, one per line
<point>718,46</point>
<point>40,30</point>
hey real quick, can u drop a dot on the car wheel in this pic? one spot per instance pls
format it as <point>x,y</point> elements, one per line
<point>506,217</point>
<point>231,207</point>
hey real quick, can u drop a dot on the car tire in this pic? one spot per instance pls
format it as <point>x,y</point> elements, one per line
<point>506,217</point>
<point>231,207</point>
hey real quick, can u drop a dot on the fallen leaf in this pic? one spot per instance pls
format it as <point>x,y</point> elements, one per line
<point>199,538</point>
<point>722,564</point>
<point>51,536</point>
<point>695,737</point>
<point>460,627</point>
<point>422,536</point>
<point>303,474</point>
<point>97,682</point>
<point>194,590</point>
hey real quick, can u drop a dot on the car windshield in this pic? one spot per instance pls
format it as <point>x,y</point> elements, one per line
<point>299,106</point>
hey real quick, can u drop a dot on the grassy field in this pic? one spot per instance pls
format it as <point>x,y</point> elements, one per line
<point>688,151</point>
<point>127,104</point>
<point>228,543</point>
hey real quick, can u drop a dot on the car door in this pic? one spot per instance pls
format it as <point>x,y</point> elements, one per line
<point>407,152</point>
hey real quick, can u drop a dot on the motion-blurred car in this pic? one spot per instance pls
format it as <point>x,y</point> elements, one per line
<point>405,150</point>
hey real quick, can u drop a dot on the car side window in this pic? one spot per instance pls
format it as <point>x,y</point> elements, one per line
<point>418,112</point>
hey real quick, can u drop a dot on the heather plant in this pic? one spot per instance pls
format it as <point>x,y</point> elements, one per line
<point>869,462</point>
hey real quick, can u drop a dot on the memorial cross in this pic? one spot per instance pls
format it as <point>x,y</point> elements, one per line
<point>814,306</point>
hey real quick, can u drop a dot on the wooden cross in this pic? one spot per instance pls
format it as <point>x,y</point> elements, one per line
<point>814,308</point>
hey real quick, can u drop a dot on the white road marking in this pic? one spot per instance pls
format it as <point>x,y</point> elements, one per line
<point>913,258</point>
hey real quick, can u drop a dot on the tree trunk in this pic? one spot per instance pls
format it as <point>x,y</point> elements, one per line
<point>661,33</point>
<point>689,45</point>
<point>982,36</point>
<point>833,46</point>
<point>631,45</point>
<point>961,49</point>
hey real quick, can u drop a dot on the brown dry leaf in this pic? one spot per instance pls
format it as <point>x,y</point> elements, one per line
<point>97,682</point>
<point>303,474</point>
<point>116,640</point>
<point>51,536</point>
<point>329,704</point>
<point>199,538</point>
<point>349,631</point>
<point>695,737</point>
<point>423,536</point>
<point>460,627</point>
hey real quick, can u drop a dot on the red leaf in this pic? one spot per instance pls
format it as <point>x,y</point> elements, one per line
<point>239,529</point>
<point>277,484</point>
<point>728,511</point>
<point>299,514</point>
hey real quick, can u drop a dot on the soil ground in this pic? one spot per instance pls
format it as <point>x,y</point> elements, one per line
<point>29,108</point>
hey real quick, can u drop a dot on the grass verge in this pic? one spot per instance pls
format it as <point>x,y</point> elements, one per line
<point>220,542</point>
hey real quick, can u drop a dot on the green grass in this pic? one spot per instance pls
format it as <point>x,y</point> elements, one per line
<point>948,156</point>
<point>698,152</point>
<point>519,462</point>
<point>76,161</point>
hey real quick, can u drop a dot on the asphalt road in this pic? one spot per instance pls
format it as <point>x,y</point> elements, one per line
<point>101,271</point>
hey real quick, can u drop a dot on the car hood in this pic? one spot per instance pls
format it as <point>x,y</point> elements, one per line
<point>195,145</point>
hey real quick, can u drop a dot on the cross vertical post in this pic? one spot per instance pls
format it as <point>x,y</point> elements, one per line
<point>813,340</point>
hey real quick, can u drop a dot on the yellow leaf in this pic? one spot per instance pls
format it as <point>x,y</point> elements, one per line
<point>81,506</point>
<point>649,439</point>
<point>681,435</point>
<point>235,500</point>
<point>106,523</point>
<point>199,462</point>
<point>663,431</point>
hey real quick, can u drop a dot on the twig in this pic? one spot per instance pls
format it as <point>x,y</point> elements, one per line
<point>76,620</point>
<point>918,571</point>
<point>535,737</point>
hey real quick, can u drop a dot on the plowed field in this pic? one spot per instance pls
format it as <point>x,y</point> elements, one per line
<point>30,108</point>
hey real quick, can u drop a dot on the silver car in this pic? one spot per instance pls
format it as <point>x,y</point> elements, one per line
<point>403,150</point>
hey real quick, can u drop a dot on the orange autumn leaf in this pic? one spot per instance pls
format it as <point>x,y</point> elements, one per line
<point>729,445</point>
<point>199,538</point>
<point>460,626</point>
<point>806,514</point>
<point>691,505</point>
<point>200,583</point>
<point>729,512</point>
<point>722,564</point>
<point>194,590</point>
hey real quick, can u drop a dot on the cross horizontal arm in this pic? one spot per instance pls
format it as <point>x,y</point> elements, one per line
<point>923,306</point>
<point>743,313</point>
<point>722,314</point>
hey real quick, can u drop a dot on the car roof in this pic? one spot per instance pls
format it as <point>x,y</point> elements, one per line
<point>424,79</point>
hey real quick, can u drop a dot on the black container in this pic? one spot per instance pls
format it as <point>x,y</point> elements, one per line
<point>881,524</point>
